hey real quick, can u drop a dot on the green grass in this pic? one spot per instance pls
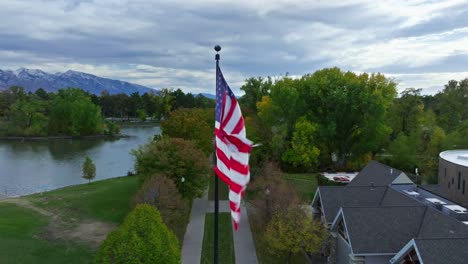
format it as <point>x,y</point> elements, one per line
<point>223,189</point>
<point>20,240</point>
<point>226,244</point>
<point>107,200</point>
<point>305,185</point>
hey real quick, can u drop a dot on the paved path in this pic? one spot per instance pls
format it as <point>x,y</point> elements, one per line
<point>193,239</point>
<point>244,246</point>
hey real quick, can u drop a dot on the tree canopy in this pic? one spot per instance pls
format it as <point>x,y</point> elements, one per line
<point>142,238</point>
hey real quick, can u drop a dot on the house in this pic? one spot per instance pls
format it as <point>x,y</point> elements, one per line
<point>376,216</point>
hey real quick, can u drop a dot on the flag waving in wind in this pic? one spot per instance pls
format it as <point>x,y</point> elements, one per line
<point>232,146</point>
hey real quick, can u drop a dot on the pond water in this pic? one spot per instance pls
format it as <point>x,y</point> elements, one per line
<point>35,166</point>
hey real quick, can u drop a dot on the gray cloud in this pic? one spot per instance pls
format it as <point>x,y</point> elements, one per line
<point>169,43</point>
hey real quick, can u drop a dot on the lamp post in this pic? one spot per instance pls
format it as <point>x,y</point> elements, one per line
<point>267,201</point>
<point>182,180</point>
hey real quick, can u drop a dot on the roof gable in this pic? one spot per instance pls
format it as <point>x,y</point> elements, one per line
<point>375,174</point>
<point>382,230</point>
<point>402,179</point>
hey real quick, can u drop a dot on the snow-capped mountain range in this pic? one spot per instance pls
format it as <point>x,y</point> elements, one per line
<point>32,80</point>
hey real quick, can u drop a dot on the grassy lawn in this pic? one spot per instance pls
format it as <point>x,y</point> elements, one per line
<point>305,185</point>
<point>226,244</point>
<point>223,190</point>
<point>20,240</point>
<point>107,200</point>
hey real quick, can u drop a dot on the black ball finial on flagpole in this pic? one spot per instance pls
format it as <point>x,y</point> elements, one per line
<point>218,49</point>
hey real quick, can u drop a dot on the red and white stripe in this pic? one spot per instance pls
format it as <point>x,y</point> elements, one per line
<point>232,152</point>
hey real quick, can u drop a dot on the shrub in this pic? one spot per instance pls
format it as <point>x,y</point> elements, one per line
<point>161,192</point>
<point>142,238</point>
<point>175,158</point>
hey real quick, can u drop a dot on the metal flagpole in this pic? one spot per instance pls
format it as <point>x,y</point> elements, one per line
<point>217,48</point>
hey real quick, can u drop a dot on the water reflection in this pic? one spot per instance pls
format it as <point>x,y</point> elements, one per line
<point>33,166</point>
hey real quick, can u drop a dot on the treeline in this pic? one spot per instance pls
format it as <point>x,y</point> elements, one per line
<point>67,112</point>
<point>75,112</point>
<point>335,120</point>
<point>155,105</point>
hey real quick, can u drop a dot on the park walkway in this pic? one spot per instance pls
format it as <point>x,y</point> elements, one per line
<point>244,247</point>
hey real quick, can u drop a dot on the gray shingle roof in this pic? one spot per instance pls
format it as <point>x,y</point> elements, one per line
<point>388,229</point>
<point>381,229</point>
<point>334,197</point>
<point>444,250</point>
<point>377,173</point>
<point>435,188</point>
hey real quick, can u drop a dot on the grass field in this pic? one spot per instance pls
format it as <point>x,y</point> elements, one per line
<point>107,200</point>
<point>45,228</point>
<point>223,190</point>
<point>226,244</point>
<point>20,240</point>
<point>305,185</point>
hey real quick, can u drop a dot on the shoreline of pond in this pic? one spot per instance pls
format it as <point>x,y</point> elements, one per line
<point>46,138</point>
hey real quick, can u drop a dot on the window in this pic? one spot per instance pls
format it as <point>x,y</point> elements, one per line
<point>463,191</point>
<point>342,231</point>
<point>459,180</point>
<point>445,172</point>
<point>448,185</point>
<point>453,180</point>
<point>410,258</point>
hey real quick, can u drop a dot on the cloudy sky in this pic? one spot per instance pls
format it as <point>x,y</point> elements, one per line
<point>419,43</point>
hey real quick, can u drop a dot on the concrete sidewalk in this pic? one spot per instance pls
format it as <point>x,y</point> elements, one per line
<point>193,239</point>
<point>244,246</point>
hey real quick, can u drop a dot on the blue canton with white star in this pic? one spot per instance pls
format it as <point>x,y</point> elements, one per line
<point>221,88</point>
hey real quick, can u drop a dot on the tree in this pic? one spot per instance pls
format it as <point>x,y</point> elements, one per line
<point>303,151</point>
<point>141,115</point>
<point>142,238</point>
<point>89,169</point>
<point>175,158</point>
<point>270,194</point>
<point>162,193</point>
<point>293,232</point>
<point>255,89</point>
<point>73,113</point>
<point>406,112</point>
<point>349,111</point>
<point>451,108</point>
<point>191,124</point>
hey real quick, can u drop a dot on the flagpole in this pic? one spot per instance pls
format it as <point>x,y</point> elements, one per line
<point>217,48</point>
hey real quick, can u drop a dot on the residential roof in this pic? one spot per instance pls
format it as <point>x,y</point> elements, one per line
<point>443,250</point>
<point>375,173</point>
<point>334,197</point>
<point>401,224</point>
<point>435,189</point>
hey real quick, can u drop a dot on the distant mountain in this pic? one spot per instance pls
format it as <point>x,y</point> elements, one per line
<point>32,80</point>
<point>209,96</point>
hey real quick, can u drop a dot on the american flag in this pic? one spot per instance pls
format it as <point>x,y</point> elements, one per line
<point>232,146</point>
